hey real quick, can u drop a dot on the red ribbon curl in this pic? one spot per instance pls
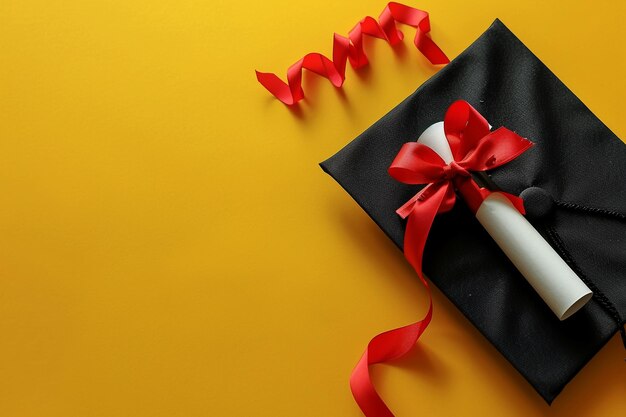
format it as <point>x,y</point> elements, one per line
<point>351,48</point>
<point>474,148</point>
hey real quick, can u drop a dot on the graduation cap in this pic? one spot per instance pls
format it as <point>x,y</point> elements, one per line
<point>572,182</point>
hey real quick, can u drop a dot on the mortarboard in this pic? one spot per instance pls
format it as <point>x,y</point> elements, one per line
<point>572,183</point>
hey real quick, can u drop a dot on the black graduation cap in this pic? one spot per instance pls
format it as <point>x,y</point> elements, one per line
<point>573,182</point>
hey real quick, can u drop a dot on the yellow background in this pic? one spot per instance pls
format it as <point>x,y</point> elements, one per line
<point>169,246</point>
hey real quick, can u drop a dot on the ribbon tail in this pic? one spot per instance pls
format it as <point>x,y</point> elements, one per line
<point>428,47</point>
<point>287,93</point>
<point>398,342</point>
<point>382,348</point>
<point>351,48</point>
<point>407,207</point>
<point>424,193</point>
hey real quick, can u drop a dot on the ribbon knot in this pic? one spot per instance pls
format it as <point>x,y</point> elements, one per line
<point>453,170</point>
<point>474,148</point>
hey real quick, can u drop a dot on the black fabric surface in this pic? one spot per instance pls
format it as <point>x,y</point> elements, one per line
<point>576,159</point>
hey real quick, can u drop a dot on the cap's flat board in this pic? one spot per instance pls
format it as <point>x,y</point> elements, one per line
<point>576,159</point>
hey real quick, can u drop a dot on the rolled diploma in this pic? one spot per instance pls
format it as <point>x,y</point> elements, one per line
<point>555,282</point>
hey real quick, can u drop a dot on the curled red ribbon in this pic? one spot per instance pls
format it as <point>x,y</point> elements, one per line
<point>474,148</point>
<point>351,48</point>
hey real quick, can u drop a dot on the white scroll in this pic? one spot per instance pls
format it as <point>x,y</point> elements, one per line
<point>555,282</point>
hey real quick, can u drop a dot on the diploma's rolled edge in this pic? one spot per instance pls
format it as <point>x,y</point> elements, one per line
<point>577,305</point>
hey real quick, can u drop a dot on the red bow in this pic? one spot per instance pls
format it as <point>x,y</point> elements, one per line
<point>474,148</point>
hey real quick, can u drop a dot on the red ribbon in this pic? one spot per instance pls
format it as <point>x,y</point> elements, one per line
<point>474,148</point>
<point>351,48</point>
